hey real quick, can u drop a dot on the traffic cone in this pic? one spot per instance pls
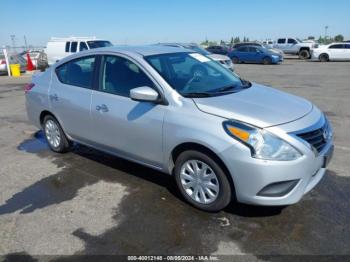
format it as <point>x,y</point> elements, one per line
<point>30,66</point>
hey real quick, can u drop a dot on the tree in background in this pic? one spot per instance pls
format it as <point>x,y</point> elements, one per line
<point>339,38</point>
<point>245,39</point>
<point>236,40</point>
<point>232,41</point>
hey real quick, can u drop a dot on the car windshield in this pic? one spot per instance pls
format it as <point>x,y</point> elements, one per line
<point>195,75</point>
<point>97,44</point>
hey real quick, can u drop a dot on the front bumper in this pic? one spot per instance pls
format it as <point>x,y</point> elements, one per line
<point>251,175</point>
<point>277,60</point>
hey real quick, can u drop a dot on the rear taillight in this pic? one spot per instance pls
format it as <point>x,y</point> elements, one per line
<point>2,62</point>
<point>28,87</point>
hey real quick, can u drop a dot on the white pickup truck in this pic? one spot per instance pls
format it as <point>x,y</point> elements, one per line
<point>294,46</point>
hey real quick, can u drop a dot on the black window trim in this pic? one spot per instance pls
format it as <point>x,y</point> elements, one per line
<point>67,50</point>
<point>76,47</point>
<point>343,46</point>
<point>92,87</point>
<point>99,76</point>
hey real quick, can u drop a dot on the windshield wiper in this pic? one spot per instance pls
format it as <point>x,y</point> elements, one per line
<point>225,88</point>
<point>197,94</point>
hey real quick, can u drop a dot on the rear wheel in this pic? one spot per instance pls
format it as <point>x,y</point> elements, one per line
<point>304,54</point>
<point>201,181</point>
<point>54,135</point>
<point>324,58</point>
<point>235,60</point>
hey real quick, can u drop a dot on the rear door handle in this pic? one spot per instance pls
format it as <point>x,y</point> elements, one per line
<point>102,108</point>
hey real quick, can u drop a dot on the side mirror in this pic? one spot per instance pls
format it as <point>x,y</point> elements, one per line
<point>144,93</point>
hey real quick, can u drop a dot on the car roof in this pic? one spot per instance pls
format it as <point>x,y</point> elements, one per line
<point>178,44</point>
<point>145,50</point>
<point>249,43</point>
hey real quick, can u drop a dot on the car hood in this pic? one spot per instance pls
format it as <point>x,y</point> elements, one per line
<point>276,51</point>
<point>258,105</point>
<point>218,57</point>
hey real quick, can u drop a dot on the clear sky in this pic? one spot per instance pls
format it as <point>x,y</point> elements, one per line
<point>149,21</point>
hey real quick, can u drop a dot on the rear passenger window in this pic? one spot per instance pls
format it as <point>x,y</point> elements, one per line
<point>121,75</point>
<point>281,41</point>
<point>73,47</point>
<point>339,46</point>
<point>243,49</point>
<point>78,72</point>
<point>67,47</point>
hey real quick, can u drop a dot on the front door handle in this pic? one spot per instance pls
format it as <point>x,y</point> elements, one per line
<point>102,108</point>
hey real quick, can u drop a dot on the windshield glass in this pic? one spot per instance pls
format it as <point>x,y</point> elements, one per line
<point>97,44</point>
<point>195,75</point>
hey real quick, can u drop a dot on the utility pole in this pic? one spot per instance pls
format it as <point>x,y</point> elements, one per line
<point>25,42</point>
<point>13,41</point>
<point>325,31</point>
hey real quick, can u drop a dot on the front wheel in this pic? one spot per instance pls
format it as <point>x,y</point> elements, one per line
<point>202,182</point>
<point>267,61</point>
<point>54,135</point>
<point>304,54</point>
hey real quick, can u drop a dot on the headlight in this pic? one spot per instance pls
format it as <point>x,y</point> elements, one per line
<point>275,56</point>
<point>263,144</point>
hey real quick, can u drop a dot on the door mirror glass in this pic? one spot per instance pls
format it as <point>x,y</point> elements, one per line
<point>144,93</point>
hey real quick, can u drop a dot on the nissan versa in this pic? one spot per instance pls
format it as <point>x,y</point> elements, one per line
<point>174,110</point>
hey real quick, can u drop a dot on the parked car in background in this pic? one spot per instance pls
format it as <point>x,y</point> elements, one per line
<point>331,52</point>
<point>295,46</point>
<point>38,57</point>
<point>218,49</point>
<point>58,48</point>
<point>268,43</point>
<point>223,138</point>
<point>254,54</point>
<point>275,50</point>
<point>13,59</point>
<point>222,59</point>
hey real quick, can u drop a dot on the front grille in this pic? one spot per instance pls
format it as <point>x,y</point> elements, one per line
<point>317,138</point>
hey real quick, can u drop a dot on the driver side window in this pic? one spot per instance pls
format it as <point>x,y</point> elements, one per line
<point>120,75</point>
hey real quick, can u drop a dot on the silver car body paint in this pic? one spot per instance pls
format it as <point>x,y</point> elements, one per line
<point>148,133</point>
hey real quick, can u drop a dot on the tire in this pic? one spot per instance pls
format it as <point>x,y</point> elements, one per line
<point>267,61</point>
<point>215,176</point>
<point>304,54</point>
<point>324,58</point>
<point>235,60</point>
<point>54,135</point>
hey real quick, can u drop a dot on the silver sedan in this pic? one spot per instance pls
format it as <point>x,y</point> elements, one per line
<point>175,110</point>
